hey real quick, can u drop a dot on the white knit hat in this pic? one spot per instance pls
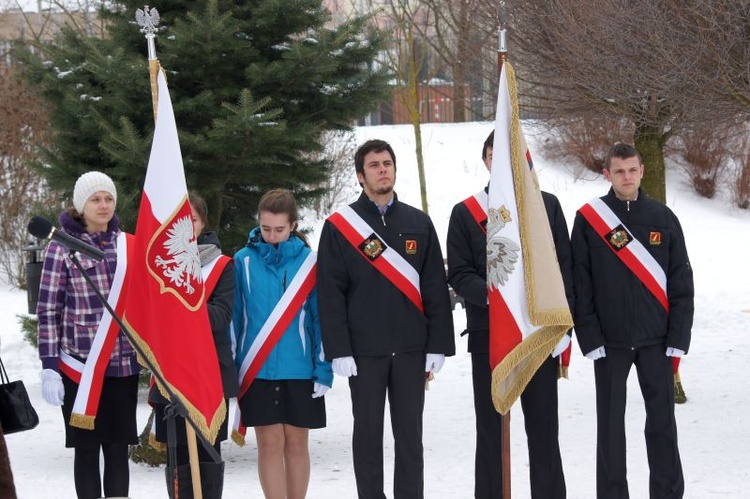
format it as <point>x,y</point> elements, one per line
<point>88,184</point>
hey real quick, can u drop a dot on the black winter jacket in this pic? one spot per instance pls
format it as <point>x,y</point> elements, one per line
<point>364,314</point>
<point>467,265</point>
<point>613,307</point>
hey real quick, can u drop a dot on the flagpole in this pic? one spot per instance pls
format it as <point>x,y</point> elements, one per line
<point>502,55</point>
<point>148,19</point>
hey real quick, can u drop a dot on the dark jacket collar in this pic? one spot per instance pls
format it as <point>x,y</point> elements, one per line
<point>612,199</point>
<point>369,206</point>
<point>76,228</point>
<point>209,238</point>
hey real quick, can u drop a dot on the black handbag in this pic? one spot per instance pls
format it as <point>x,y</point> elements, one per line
<point>16,412</point>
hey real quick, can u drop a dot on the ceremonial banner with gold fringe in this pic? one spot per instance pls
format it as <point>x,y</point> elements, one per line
<point>166,300</point>
<point>529,313</point>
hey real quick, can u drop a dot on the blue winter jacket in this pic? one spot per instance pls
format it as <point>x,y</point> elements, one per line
<point>263,271</point>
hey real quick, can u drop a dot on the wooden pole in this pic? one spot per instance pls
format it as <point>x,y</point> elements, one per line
<point>505,453</point>
<point>502,55</point>
<point>195,470</point>
<point>153,70</point>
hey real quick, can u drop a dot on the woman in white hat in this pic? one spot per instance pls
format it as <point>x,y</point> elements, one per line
<point>70,314</point>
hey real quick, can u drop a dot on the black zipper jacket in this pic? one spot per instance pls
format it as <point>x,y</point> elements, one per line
<point>613,307</point>
<point>364,314</point>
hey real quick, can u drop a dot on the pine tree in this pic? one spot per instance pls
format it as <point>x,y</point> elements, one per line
<point>254,86</point>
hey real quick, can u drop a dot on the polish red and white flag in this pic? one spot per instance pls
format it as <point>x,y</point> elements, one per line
<point>166,300</point>
<point>529,313</point>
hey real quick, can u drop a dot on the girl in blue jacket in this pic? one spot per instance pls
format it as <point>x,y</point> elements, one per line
<point>282,368</point>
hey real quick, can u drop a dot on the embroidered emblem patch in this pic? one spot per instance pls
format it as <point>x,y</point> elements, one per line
<point>619,237</point>
<point>654,238</point>
<point>411,247</point>
<point>372,247</point>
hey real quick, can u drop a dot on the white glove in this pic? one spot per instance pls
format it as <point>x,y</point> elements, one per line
<point>345,366</point>
<point>52,387</point>
<point>434,362</point>
<point>597,353</point>
<point>561,346</point>
<point>319,390</point>
<point>675,352</point>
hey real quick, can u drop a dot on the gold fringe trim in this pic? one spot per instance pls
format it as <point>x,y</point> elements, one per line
<point>82,421</point>
<point>209,431</point>
<point>513,373</point>
<point>159,446</point>
<point>562,371</point>
<point>680,397</point>
<point>238,438</point>
<point>540,314</point>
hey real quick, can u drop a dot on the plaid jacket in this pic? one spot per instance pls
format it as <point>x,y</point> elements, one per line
<point>68,311</point>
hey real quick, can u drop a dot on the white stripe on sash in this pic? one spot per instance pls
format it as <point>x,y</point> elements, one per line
<point>87,376</point>
<point>389,254</point>
<point>208,268</point>
<point>277,312</point>
<point>71,366</point>
<point>482,200</point>
<point>634,246</point>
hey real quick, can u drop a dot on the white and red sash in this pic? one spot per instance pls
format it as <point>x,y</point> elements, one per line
<point>273,329</point>
<point>90,375</point>
<point>71,367</point>
<point>634,255</point>
<point>388,261</point>
<point>212,271</point>
<point>477,206</point>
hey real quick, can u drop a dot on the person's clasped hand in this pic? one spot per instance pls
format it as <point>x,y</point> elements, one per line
<point>561,346</point>
<point>434,362</point>
<point>52,387</point>
<point>319,390</point>
<point>344,366</point>
<point>597,353</point>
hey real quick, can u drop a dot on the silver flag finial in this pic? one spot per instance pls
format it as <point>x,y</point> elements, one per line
<point>502,25</point>
<point>147,19</point>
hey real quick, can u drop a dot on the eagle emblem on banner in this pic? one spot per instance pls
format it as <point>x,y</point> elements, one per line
<point>175,261</point>
<point>502,252</point>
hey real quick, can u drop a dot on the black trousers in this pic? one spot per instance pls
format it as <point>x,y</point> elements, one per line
<point>402,377</point>
<point>655,377</point>
<point>539,404</point>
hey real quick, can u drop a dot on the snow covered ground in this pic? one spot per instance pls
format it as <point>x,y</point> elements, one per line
<point>714,425</point>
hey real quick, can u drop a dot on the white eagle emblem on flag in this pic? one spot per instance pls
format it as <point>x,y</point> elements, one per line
<point>184,264</point>
<point>502,253</point>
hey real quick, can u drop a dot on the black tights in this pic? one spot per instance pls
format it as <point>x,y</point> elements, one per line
<point>116,472</point>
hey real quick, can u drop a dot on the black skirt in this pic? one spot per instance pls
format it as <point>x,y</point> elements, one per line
<point>287,401</point>
<point>115,421</point>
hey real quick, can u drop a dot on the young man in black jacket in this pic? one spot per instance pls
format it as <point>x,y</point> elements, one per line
<point>467,273</point>
<point>634,306</point>
<point>385,318</point>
